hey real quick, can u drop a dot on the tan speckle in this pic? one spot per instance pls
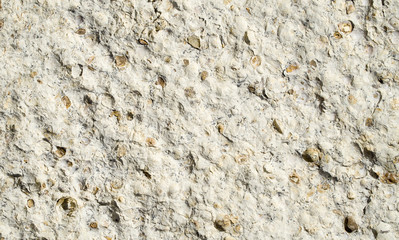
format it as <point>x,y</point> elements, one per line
<point>120,61</point>
<point>150,142</point>
<point>186,62</point>
<point>66,101</point>
<point>292,68</point>
<point>189,92</point>
<point>395,104</point>
<point>242,158</point>
<point>352,99</point>
<point>220,128</point>
<point>121,151</point>
<point>33,74</point>
<point>117,114</point>
<point>369,122</point>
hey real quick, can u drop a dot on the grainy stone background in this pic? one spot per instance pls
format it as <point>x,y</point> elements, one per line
<point>222,119</point>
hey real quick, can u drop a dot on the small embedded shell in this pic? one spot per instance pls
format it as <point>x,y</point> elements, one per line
<point>311,155</point>
<point>350,224</point>
<point>93,225</point>
<point>223,223</point>
<point>60,152</point>
<point>67,204</point>
<point>337,35</point>
<point>256,61</point>
<point>346,27</point>
<point>294,178</point>
<point>143,42</point>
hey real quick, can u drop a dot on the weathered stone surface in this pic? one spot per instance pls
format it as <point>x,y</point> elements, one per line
<point>183,119</point>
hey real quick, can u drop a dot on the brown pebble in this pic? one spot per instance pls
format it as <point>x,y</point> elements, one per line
<point>350,224</point>
<point>313,64</point>
<point>31,203</point>
<point>369,122</point>
<point>194,42</point>
<point>120,61</point>
<point>246,38</point>
<point>204,75</point>
<point>81,31</point>
<point>1,23</point>
<point>186,62</point>
<point>66,101</point>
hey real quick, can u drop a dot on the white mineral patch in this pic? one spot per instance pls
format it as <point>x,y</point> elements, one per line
<point>184,119</point>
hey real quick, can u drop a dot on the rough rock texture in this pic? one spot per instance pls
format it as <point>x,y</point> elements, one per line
<point>222,119</point>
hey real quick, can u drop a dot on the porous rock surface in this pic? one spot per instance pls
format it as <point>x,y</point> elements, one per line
<point>184,119</point>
